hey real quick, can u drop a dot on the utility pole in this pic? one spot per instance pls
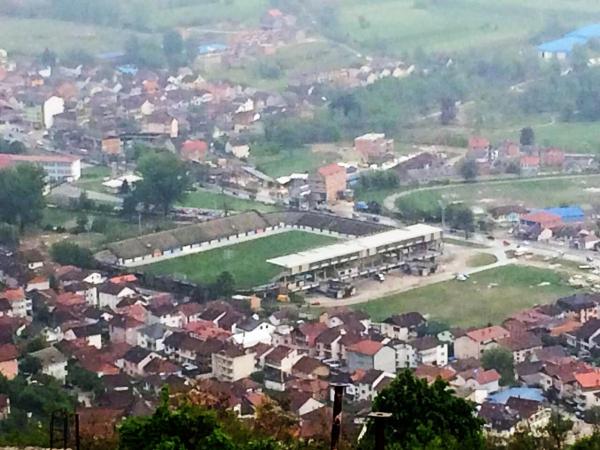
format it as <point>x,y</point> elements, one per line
<point>336,426</point>
<point>379,419</point>
<point>443,208</point>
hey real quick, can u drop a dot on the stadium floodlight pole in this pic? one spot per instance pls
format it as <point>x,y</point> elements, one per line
<point>336,425</point>
<point>443,208</point>
<point>379,419</point>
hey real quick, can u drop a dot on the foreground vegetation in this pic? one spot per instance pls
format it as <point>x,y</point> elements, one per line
<point>246,261</point>
<point>487,297</point>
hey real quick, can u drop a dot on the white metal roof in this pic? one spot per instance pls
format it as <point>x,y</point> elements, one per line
<point>353,246</point>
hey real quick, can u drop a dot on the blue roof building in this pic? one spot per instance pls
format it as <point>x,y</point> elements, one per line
<point>588,32</point>
<point>128,69</point>
<point>520,392</point>
<point>563,46</point>
<point>568,214</point>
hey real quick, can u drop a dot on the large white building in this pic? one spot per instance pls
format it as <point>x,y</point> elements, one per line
<point>57,167</point>
<point>413,248</point>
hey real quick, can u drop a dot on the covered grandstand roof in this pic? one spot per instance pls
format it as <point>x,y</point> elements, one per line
<point>233,225</point>
<point>354,246</point>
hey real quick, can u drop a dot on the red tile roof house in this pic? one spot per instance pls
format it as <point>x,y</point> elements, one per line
<point>369,354</point>
<point>9,366</point>
<point>488,380</point>
<point>561,378</point>
<point>194,150</point>
<point>588,389</point>
<point>522,345</point>
<point>124,329</point>
<point>327,183</point>
<point>543,219</point>
<point>475,342</point>
<point>553,157</point>
<point>20,305</point>
<point>530,165</point>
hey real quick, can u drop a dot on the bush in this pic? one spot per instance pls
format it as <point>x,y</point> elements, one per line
<point>99,225</point>
<point>67,253</point>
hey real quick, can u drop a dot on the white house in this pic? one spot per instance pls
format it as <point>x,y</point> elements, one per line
<point>252,332</point>
<point>152,337</point>
<point>54,363</point>
<point>110,294</point>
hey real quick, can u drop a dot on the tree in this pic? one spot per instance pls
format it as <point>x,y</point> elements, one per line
<point>423,414</point>
<point>173,44</point>
<point>67,253</point>
<point>449,111</point>
<point>9,235</point>
<point>527,136</point>
<point>100,224</point>
<point>21,195</point>
<point>84,202</point>
<point>164,182</point>
<point>460,216</point>
<point>469,170</point>
<point>48,58</point>
<point>30,365</point>
<point>125,188</point>
<point>500,359</point>
<point>224,285</point>
<point>84,379</point>
<point>187,428</point>
<point>82,222</point>
<point>592,416</point>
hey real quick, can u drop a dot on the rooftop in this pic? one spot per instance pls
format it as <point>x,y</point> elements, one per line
<point>397,236</point>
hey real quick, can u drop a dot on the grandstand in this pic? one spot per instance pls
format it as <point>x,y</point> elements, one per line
<point>226,231</point>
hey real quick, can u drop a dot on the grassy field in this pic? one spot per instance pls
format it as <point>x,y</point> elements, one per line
<point>475,302</point>
<point>117,228</point>
<point>288,161</point>
<point>212,200</point>
<point>245,261</point>
<point>481,259</point>
<point>401,25</point>
<point>32,36</point>
<point>92,178</point>
<point>541,193</point>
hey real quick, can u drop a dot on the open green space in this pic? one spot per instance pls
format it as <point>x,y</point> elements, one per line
<point>92,178</point>
<point>214,200</point>
<point>288,161</point>
<point>117,228</point>
<point>247,261</point>
<point>32,36</point>
<point>487,297</point>
<point>540,193</point>
<point>401,25</point>
<point>481,260</point>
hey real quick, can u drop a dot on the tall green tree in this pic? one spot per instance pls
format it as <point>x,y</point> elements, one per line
<point>500,359</point>
<point>424,415</point>
<point>21,195</point>
<point>468,170</point>
<point>68,253</point>
<point>527,136</point>
<point>165,180</point>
